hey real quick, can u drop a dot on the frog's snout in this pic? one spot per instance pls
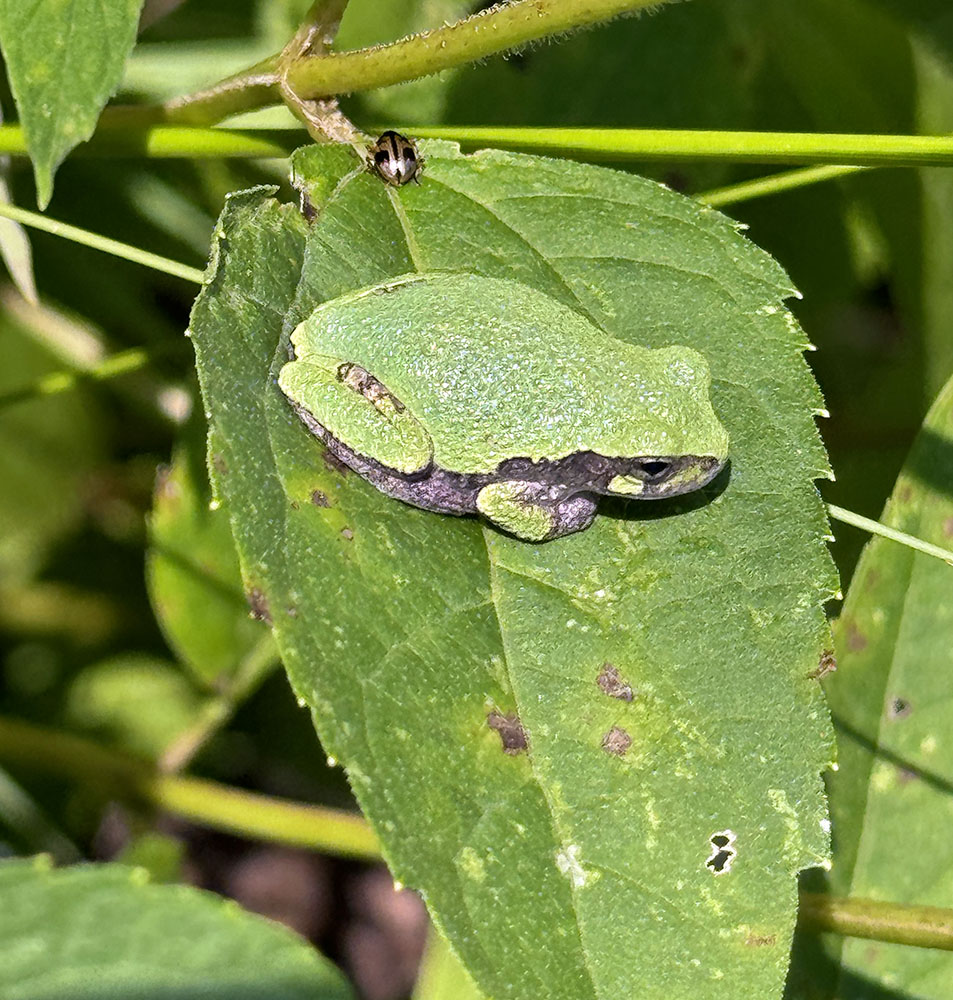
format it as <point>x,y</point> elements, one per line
<point>656,477</point>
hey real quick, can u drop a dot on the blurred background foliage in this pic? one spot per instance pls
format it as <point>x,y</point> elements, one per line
<point>121,610</point>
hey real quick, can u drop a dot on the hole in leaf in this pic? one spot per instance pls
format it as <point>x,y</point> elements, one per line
<point>723,852</point>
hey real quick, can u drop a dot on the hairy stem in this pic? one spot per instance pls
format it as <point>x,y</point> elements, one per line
<point>498,29</point>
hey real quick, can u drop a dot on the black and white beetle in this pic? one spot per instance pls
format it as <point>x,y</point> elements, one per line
<point>394,158</point>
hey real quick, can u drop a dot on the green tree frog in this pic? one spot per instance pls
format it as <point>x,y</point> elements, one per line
<point>464,394</point>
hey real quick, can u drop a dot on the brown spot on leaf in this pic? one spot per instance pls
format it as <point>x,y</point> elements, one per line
<point>308,210</point>
<point>295,505</point>
<point>856,640</point>
<point>512,734</point>
<point>898,708</point>
<point>258,605</point>
<point>617,741</point>
<point>333,463</point>
<point>827,664</point>
<point>906,494</point>
<point>761,940</point>
<point>948,527</point>
<point>164,485</point>
<point>612,684</point>
<point>347,533</point>
<point>320,499</point>
<point>219,463</point>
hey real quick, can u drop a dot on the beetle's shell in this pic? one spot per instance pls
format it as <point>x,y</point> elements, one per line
<point>395,159</point>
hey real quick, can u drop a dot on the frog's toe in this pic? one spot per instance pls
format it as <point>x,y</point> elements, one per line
<point>531,511</point>
<point>575,513</point>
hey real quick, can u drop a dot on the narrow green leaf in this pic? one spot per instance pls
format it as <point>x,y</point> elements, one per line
<point>93,931</point>
<point>64,59</point>
<point>406,631</point>
<point>15,248</point>
<point>890,799</point>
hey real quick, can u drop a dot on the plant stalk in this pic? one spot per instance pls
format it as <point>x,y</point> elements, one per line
<point>497,29</point>
<point>896,923</point>
<point>209,803</point>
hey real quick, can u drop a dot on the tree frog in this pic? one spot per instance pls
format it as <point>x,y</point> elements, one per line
<point>465,394</point>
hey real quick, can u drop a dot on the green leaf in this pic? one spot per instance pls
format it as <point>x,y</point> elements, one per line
<point>192,570</point>
<point>64,59</point>
<point>442,977</point>
<point>931,19</point>
<point>139,701</point>
<point>48,448</point>
<point>94,931</point>
<point>409,633</point>
<point>890,799</point>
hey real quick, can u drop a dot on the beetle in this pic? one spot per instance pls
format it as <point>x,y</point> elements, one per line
<point>394,158</point>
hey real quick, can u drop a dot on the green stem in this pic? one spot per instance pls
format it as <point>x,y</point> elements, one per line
<point>117,364</point>
<point>207,802</point>
<point>884,531</point>
<point>846,153</point>
<point>170,142</point>
<point>503,27</point>
<point>692,144</point>
<point>97,242</point>
<point>317,29</point>
<point>788,180</point>
<point>252,88</point>
<point>897,923</point>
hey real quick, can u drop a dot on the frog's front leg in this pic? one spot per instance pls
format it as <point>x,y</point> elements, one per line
<point>535,512</point>
<point>346,402</point>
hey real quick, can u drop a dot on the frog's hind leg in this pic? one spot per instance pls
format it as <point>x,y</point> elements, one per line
<point>535,512</point>
<point>345,402</point>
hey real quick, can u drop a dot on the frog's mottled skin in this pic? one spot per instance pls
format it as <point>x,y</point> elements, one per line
<point>464,394</point>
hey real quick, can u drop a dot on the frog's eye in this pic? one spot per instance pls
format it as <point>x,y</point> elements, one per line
<point>654,469</point>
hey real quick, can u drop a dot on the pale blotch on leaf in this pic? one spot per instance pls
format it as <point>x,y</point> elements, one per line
<point>471,864</point>
<point>567,861</point>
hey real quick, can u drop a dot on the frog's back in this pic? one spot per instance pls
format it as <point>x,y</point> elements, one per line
<point>503,369</point>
